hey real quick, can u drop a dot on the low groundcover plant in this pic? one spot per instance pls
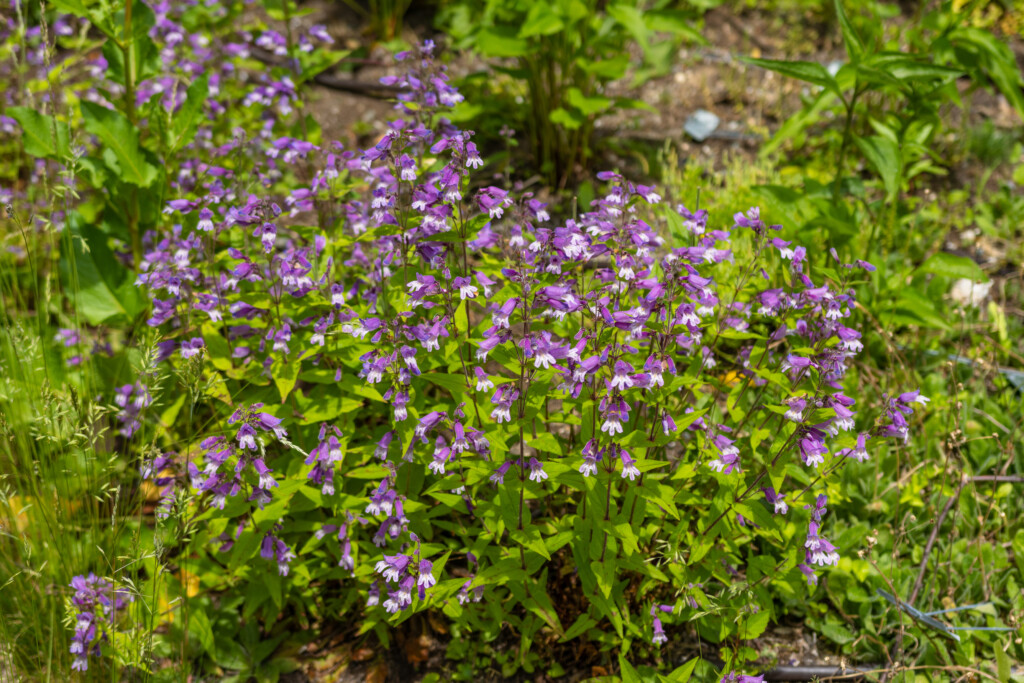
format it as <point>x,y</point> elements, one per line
<point>588,396</point>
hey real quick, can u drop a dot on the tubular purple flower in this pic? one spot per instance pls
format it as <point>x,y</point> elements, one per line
<point>537,472</point>
<point>381,451</point>
<point>628,468</point>
<point>266,474</point>
<point>498,477</point>
<point>426,578</point>
<point>246,437</point>
<point>622,379</point>
<point>483,382</point>
<point>778,502</point>
<point>659,633</point>
<point>392,567</point>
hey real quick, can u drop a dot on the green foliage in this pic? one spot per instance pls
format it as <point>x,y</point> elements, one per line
<point>558,58</point>
<point>72,501</point>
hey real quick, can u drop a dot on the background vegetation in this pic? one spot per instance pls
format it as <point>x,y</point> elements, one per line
<point>890,133</point>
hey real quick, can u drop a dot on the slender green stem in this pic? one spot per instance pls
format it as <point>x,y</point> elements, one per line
<point>847,130</point>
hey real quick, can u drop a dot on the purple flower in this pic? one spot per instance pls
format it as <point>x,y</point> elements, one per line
<point>426,578</point>
<point>727,461</point>
<point>498,477</point>
<point>742,678</point>
<point>192,347</point>
<point>483,382</point>
<point>537,472</point>
<point>266,474</point>
<point>246,437</point>
<point>628,468</point>
<point>622,379</point>
<point>812,450</point>
<point>859,452</point>
<point>493,200</point>
<point>205,223</point>
<point>392,567</point>
<point>795,409</point>
<point>776,500</point>
<point>659,633</point>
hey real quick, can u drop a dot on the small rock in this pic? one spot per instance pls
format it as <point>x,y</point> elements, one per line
<point>700,125</point>
<point>965,292</point>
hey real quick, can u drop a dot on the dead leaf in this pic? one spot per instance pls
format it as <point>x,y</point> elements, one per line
<point>437,624</point>
<point>378,674</point>
<point>417,650</point>
<point>362,654</point>
<point>598,671</point>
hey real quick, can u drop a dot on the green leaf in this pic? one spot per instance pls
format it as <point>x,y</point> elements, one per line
<point>676,226</point>
<point>501,41</point>
<point>1018,550</point>
<point>186,120</point>
<point>1002,664</point>
<point>39,131</point>
<point>539,602</point>
<point>629,673</point>
<point>624,532</point>
<point>607,69</point>
<point>854,45</point>
<point>948,265</point>
<point>120,137</point>
<point>567,119</point>
<point>834,631</point>
<point>997,60</point>
<point>589,105</point>
<point>583,623</point>
<point>545,442</point>
<point>683,673</point>
<point>243,549</point>
<point>903,68</point>
<point>325,403</point>
<point>530,539</point>
<point>809,72</point>
<point>95,280</point>
<point>199,627</point>
<point>134,40</point>
<point>662,496</point>
<point>912,308</point>
<point>541,21</point>
<point>884,155</point>
<point>632,19</point>
<point>678,22</point>
<point>96,17</point>
<point>285,374</point>
<point>755,625</point>
<point>454,384</point>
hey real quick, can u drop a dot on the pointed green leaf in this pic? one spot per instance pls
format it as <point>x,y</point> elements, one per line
<point>809,72</point>
<point>118,136</point>
<point>854,45</point>
<point>185,121</point>
<point>94,278</point>
<point>948,265</point>
<point>683,673</point>
<point>285,374</point>
<point>583,623</point>
<point>42,136</point>
<point>629,673</point>
<point>500,41</point>
<point>530,539</point>
<point>884,155</point>
<point>541,20</point>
